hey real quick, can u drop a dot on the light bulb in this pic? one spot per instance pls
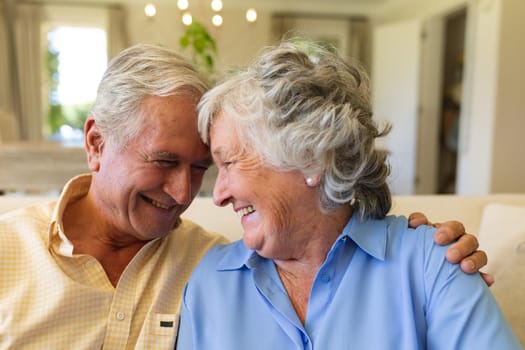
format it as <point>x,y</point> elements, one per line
<point>251,15</point>
<point>183,4</point>
<point>150,10</point>
<point>216,20</point>
<point>187,19</point>
<point>216,5</point>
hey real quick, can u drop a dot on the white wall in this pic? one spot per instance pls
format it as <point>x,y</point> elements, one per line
<point>491,146</point>
<point>508,156</point>
<point>492,116</point>
<point>5,95</point>
<point>395,95</point>
<point>413,9</point>
<point>237,40</point>
<point>480,92</point>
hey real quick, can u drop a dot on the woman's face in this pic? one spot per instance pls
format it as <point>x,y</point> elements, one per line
<point>276,208</point>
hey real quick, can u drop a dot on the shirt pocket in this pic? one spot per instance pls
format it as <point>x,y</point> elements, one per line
<point>160,331</point>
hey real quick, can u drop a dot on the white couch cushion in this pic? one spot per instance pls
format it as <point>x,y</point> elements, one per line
<point>439,208</point>
<point>502,236</point>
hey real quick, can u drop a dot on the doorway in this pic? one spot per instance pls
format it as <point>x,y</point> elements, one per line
<point>453,62</point>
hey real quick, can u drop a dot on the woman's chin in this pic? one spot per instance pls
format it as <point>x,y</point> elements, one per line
<point>248,241</point>
<point>252,241</point>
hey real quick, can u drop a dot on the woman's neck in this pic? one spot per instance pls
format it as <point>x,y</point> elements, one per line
<point>298,273</point>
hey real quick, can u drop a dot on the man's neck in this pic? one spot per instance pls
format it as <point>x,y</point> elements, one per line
<point>90,237</point>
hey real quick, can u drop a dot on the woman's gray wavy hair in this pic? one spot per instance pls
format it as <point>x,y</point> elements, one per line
<point>138,71</point>
<point>305,108</point>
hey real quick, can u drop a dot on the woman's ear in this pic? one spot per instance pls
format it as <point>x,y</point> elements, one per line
<point>93,143</point>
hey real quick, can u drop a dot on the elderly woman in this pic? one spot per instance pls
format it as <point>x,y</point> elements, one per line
<point>320,265</point>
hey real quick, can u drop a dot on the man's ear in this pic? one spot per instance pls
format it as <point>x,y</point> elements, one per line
<point>93,143</point>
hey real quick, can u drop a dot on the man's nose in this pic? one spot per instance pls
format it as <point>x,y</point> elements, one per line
<point>178,185</point>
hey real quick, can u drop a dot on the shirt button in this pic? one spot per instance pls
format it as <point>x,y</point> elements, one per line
<point>121,316</point>
<point>305,338</point>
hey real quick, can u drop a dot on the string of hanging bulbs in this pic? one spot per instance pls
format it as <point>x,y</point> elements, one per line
<point>216,5</point>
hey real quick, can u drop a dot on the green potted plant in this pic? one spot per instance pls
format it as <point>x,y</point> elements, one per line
<point>202,46</point>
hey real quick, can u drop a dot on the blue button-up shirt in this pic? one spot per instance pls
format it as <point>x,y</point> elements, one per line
<point>382,286</point>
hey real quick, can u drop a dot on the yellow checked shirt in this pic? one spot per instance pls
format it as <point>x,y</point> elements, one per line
<point>53,299</point>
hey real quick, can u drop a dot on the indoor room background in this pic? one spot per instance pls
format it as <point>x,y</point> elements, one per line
<point>449,75</point>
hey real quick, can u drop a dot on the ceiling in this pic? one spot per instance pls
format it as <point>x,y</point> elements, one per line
<point>326,6</point>
<point>343,7</point>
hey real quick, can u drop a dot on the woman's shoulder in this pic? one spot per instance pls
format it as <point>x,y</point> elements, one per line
<point>414,245</point>
<point>229,256</point>
<point>221,251</point>
<point>416,253</point>
<point>398,231</point>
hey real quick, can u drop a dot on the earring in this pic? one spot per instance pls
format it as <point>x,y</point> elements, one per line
<point>309,181</point>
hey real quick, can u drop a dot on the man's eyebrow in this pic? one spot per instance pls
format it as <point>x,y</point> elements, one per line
<point>208,161</point>
<point>164,155</point>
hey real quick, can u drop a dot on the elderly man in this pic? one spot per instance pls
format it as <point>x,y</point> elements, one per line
<point>105,265</point>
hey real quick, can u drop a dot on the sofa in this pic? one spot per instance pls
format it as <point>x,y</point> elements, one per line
<point>496,219</point>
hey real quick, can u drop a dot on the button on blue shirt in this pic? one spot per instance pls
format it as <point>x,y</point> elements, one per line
<point>382,286</point>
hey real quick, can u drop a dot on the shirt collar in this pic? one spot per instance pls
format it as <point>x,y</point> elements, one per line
<point>369,235</point>
<point>74,189</point>
<point>238,256</point>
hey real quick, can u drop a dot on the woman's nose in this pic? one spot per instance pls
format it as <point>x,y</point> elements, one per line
<point>221,195</point>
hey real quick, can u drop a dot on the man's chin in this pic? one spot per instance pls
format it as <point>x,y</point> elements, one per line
<point>177,223</point>
<point>152,234</point>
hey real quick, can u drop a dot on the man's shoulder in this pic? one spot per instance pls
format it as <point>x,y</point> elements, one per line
<point>30,217</point>
<point>193,231</point>
<point>25,229</point>
<point>193,239</point>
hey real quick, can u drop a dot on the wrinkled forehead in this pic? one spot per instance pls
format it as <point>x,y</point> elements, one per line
<point>224,136</point>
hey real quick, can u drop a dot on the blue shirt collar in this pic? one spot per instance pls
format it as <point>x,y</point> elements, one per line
<point>368,235</point>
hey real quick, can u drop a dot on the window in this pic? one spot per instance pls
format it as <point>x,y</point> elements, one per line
<point>75,62</point>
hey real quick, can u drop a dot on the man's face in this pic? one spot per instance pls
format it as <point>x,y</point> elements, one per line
<point>142,190</point>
